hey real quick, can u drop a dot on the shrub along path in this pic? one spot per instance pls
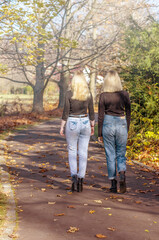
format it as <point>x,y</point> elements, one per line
<point>37,162</point>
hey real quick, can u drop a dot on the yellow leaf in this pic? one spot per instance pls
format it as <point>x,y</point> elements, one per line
<point>51,203</point>
<point>69,193</point>
<point>73,230</point>
<point>92,211</point>
<point>111,229</point>
<point>108,208</point>
<point>110,214</point>
<point>43,189</point>
<point>98,201</point>
<point>146,230</point>
<point>66,180</point>
<point>101,236</point>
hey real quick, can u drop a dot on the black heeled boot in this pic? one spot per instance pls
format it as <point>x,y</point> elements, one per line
<point>80,185</point>
<point>113,186</point>
<point>74,183</point>
<point>122,182</point>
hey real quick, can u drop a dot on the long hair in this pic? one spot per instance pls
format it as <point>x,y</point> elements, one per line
<point>112,82</point>
<point>79,87</point>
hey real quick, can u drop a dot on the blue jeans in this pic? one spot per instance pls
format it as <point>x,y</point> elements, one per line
<point>115,139</point>
<point>78,133</point>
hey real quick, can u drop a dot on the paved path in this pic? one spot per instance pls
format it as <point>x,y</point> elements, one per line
<point>37,161</point>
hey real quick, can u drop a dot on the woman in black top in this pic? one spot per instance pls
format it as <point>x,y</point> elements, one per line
<point>114,113</point>
<point>79,127</point>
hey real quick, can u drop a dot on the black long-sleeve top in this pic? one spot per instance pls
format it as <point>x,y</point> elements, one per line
<point>76,107</point>
<point>114,104</point>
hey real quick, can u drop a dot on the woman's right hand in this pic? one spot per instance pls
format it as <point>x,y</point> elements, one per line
<point>92,130</point>
<point>62,128</point>
<point>62,131</point>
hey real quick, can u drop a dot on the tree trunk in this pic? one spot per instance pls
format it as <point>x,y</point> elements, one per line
<point>63,87</point>
<point>38,100</point>
<point>39,89</point>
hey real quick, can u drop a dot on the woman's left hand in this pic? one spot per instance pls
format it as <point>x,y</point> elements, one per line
<point>100,139</point>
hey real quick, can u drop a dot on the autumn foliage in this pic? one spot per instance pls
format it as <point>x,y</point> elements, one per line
<point>13,121</point>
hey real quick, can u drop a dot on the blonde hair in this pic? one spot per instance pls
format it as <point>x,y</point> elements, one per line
<point>79,87</point>
<point>112,82</point>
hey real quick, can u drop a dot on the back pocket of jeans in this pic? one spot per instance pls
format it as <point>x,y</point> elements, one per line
<point>86,124</point>
<point>72,125</point>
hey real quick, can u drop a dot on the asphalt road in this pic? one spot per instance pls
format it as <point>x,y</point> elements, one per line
<point>37,161</point>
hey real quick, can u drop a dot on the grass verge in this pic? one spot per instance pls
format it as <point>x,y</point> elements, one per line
<point>3,208</point>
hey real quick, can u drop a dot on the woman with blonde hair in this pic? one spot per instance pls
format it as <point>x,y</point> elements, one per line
<point>78,116</point>
<point>114,111</point>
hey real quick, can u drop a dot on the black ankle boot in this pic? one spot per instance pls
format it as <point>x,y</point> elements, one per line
<point>113,186</point>
<point>74,183</point>
<point>122,182</point>
<point>80,185</point>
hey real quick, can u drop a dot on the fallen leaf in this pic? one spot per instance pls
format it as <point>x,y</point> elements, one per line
<point>100,236</point>
<point>69,193</point>
<point>70,206</point>
<point>111,229</point>
<point>141,191</point>
<point>13,235</point>
<point>51,203</point>
<point>92,211</point>
<point>151,190</point>
<point>120,200</point>
<point>54,167</point>
<point>54,187</point>
<point>110,214</point>
<point>98,201</point>
<point>93,176</point>
<point>156,195</point>
<point>104,187</point>
<point>66,180</point>
<point>107,208</point>
<point>138,202</point>
<point>153,182</point>
<point>73,230</point>
<point>43,189</point>
<point>43,170</point>
<point>113,197</point>
<point>59,214</point>
<point>59,195</point>
<point>146,230</point>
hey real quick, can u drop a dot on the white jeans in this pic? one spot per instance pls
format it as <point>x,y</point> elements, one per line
<point>78,133</point>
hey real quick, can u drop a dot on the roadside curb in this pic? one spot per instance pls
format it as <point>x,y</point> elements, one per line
<point>10,223</point>
<point>145,166</point>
